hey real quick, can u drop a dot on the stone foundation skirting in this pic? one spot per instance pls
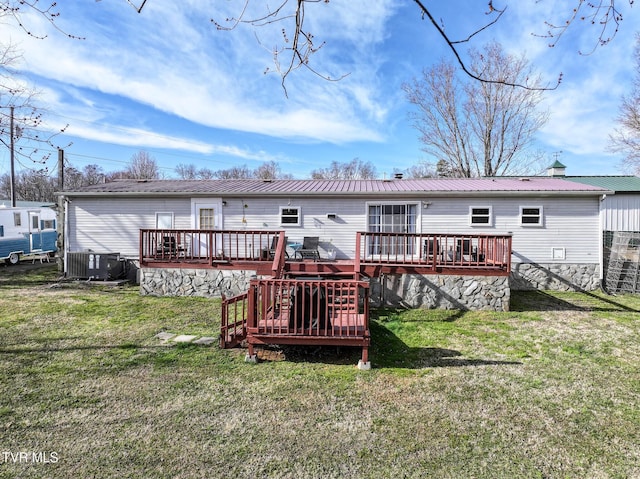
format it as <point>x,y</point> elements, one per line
<point>441,291</point>
<point>193,282</point>
<point>556,277</point>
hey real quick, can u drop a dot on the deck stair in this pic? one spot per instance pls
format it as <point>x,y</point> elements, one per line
<point>326,308</point>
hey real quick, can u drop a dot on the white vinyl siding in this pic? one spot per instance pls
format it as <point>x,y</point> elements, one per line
<point>571,223</point>
<point>113,226</point>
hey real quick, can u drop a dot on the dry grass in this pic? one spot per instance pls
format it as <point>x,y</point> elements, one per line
<point>550,390</point>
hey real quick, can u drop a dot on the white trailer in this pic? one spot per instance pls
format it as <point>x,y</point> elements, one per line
<point>26,231</point>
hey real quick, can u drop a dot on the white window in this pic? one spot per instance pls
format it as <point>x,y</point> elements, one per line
<point>17,219</point>
<point>164,221</point>
<point>531,215</point>
<point>48,224</point>
<point>480,216</point>
<point>290,216</point>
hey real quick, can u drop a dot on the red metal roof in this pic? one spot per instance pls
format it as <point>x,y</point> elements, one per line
<point>338,187</point>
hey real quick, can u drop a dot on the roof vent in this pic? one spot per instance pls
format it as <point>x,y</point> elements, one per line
<point>398,176</point>
<point>267,180</point>
<point>525,179</point>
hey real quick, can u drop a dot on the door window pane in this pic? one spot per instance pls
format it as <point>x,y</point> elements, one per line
<point>207,218</point>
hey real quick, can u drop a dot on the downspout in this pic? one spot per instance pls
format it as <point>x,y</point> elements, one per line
<point>65,234</point>
<point>603,285</point>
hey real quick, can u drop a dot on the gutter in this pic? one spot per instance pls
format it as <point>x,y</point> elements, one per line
<point>320,194</point>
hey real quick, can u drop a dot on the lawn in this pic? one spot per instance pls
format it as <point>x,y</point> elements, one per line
<point>548,390</point>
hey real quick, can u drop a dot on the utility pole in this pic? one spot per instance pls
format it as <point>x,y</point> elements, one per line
<point>61,212</point>
<point>12,152</point>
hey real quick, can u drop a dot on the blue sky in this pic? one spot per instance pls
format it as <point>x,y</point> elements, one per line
<point>167,82</point>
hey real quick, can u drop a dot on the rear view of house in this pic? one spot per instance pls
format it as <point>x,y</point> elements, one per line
<point>552,223</point>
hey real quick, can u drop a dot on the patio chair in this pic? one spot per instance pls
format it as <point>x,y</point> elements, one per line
<point>271,251</point>
<point>431,248</point>
<point>168,247</point>
<point>309,248</point>
<point>463,250</point>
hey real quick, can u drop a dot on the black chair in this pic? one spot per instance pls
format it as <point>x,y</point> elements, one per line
<point>308,308</point>
<point>271,251</point>
<point>309,248</point>
<point>431,248</point>
<point>169,246</point>
<point>463,249</point>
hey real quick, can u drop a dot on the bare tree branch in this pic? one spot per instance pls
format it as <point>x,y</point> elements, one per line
<point>301,42</point>
<point>15,9</point>
<point>451,43</point>
<point>603,13</point>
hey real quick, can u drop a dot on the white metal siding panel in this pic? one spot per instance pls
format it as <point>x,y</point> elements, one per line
<point>621,212</point>
<point>113,226</point>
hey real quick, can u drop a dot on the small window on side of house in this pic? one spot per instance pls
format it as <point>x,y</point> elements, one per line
<point>17,219</point>
<point>531,216</point>
<point>480,216</point>
<point>290,216</point>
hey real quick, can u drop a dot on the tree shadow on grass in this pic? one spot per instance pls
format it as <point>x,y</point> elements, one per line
<point>389,351</point>
<point>522,301</point>
<point>386,351</point>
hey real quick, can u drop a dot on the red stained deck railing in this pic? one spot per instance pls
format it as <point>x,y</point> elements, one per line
<point>211,247</point>
<point>437,252</point>
<point>306,311</point>
<point>425,253</point>
<point>233,324</point>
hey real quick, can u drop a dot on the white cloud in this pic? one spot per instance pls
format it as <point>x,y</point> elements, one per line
<point>172,59</point>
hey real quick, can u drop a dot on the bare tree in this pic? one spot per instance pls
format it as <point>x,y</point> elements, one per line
<point>626,138</point>
<point>270,170</point>
<point>352,170</point>
<point>478,128</point>
<point>142,166</point>
<point>191,172</point>
<point>233,173</point>
<point>422,169</point>
<point>75,178</point>
<point>30,185</point>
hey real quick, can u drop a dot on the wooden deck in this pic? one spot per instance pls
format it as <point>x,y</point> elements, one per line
<point>376,253</point>
<point>299,311</point>
<point>289,307</point>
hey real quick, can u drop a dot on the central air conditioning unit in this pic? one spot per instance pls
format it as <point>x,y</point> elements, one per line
<point>91,265</point>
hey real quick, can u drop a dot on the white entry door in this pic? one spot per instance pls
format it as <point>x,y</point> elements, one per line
<point>35,234</point>
<point>206,215</point>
